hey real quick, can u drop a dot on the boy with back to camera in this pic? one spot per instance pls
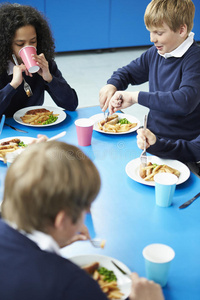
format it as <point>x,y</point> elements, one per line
<point>48,190</point>
<point>172,67</point>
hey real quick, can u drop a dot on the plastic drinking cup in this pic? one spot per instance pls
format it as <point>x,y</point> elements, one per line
<point>29,62</point>
<point>84,129</point>
<point>158,258</point>
<point>165,184</point>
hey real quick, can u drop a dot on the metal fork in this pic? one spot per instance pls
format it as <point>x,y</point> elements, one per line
<point>94,240</point>
<point>106,115</point>
<point>143,156</point>
<point>98,243</point>
<point>27,87</point>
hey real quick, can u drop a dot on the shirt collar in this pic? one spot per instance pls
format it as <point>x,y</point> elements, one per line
<point>44,241</point>
<point>180,50</point>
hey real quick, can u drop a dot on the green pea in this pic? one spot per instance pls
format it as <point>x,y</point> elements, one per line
<point>51,119</point>
<point>124,121</point>
<point>108,274</point>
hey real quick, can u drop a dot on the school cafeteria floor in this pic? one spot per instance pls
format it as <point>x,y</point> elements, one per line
<point>88,71</point>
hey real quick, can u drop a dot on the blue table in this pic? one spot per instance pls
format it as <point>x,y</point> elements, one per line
<point>125,213</point>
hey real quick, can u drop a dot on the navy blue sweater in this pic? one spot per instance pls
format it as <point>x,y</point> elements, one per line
<point>28,273</point>
<point>174,91</point>
<point>185,151</point>
<point>12,99</point>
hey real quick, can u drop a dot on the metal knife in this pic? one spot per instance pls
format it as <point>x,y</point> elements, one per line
<point>187,203</point>
<point>122,271</point>
<point>20,130</point>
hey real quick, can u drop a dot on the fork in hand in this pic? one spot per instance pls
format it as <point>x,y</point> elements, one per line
<point>106,115</point>
<point>143,156</point>
<point>94,240</point>
<point>27,87</point>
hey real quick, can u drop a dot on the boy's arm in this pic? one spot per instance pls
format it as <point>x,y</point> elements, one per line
<point>136,72</point>
<point>185,151</point>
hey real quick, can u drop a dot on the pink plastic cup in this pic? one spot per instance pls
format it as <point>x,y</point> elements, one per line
<point>84,129</point>
<point>29,62</point>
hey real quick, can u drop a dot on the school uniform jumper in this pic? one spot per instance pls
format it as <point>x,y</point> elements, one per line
<point>27,272</point>
<point>60,91</point>
<point>174,91</point>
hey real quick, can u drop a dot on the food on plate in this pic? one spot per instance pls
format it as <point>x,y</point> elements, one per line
<point>90,268</point>
<point>39,116</point>
<point>10,146</point>
<point>114,124</point>
<point>148,172</point>
<point>105,278</point>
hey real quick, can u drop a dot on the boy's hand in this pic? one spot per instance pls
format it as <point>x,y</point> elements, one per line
<point>44,67</point>
<point>144,289</point>
<point>147,135</point>
<point>83,235</point>
<point>122,100</point>
<point>105,95</point>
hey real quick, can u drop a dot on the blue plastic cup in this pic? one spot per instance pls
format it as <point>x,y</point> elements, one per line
<point>158,258</point>
<point>165,184</point>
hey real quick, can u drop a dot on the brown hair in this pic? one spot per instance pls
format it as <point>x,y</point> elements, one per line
<point>45,179</point>
<point>173,12</point>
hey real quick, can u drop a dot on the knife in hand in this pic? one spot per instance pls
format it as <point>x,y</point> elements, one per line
<point>187,203</point>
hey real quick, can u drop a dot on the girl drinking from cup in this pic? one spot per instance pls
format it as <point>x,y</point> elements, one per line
<point>23,26</point>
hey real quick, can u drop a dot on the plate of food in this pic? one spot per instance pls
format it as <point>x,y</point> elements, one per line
<point>118,123</point>
<point>156,165</point>
<point>12,144</point>
<point>39,116</point>
<point>115,284</point>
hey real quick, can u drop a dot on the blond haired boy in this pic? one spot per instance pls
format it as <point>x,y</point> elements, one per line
<point>172,67</point>
<point>48,189</point>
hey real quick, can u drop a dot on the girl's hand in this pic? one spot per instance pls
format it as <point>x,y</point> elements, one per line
<point>18,75</point>
<point>122,100</point>
<point>44,67</point>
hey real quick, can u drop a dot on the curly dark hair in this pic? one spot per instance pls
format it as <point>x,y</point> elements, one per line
<point>15,16</point>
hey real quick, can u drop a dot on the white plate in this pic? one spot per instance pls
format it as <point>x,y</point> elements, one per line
<point>132,169</point>
<point>124,283</point>
<point>25,139</point>
<point>56,110</point>
<point>99,117</point>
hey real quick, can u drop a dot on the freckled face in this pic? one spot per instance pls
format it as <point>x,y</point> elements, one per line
<point>164,39</point>
<point>24,36</point>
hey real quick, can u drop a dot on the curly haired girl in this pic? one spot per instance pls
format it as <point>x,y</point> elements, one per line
<point>21,26</point>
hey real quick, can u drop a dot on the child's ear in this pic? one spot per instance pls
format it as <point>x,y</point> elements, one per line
<point>183,30</point>
<point>60,219</point>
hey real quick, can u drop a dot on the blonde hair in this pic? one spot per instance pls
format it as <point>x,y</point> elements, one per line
<point>45,179</point>
<point>173,12</point>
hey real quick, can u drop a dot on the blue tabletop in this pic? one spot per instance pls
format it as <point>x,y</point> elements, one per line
<point>125,213</point>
